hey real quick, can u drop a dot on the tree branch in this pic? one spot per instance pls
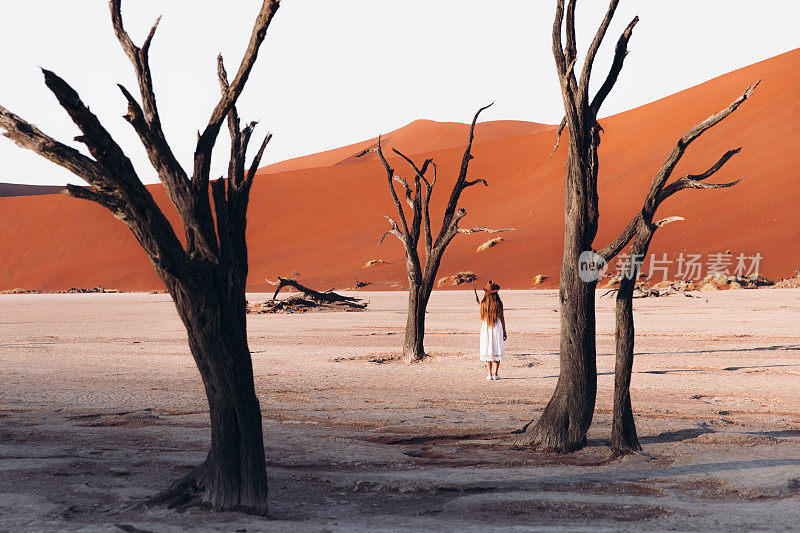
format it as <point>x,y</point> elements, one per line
<point>140,60</point>
<point>32,138</point>
<point>420,172</point>
<point>452,203</point>
<point>475,182</point>
<point>686,183</point>
<point>238,137</point>
<point>193,208</point>
<point>416,202</point>
<point>470,231</point>
<point>454,230</point>
<point>558,50</point>
<point>565,66</point>
<point>718,165</point>
<point>409,192</point>
<point>622,240</point>
<point>116,166</point>
<point>426,212</point>
<point>390,177</point>
<point>121,193</point>
<point>109,201</point>
<point>683,143</point>
<point>583,87</point>
<point>256,161</point>
<point>620,54</point>
<point>668,220</point>
<point>394,231</point>
<point>240,140</point>
<point>558,135</point>
<point>571,48</point>
<point>658,192</point>
<point>205,144</point>
<point>146,120</point>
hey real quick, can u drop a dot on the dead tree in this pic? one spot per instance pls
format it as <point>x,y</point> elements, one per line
<point>568,415</point>
<point>641,230</point>
<point>563,425</point>
<point>206,279</point>
<point>421,276</point>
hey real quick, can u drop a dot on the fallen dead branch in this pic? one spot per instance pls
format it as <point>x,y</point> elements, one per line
<point>646,290</point>
<point>308,300</point>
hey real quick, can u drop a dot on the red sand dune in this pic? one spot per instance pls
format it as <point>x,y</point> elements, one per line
<point>322,218</point>
<point>419,136</point>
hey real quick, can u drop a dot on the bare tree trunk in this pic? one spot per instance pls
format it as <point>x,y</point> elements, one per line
<point>233,475</point>
<point>623,427</point>
<point>623,430</point>
<point>413,347</point>
<point>565,420</point>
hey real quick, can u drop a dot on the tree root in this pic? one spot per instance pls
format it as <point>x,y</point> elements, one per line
<point>184,493</point>
<point>535,440</point>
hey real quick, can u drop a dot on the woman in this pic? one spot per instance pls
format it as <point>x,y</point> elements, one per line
<point>493,329</point>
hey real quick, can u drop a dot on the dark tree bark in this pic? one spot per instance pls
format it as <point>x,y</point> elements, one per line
<point>422,274</point>
<point>568,415</point>
<point>641,230</point>
<point>206,279</point>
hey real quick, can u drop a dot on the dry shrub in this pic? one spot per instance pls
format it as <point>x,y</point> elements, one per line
<point>488,244</point>
<point>717,277</point>
<point>373,262</point>
<point>457,279</point>
<point>21,291</point>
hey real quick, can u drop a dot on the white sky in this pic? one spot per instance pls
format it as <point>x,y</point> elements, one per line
<point>333,73</point>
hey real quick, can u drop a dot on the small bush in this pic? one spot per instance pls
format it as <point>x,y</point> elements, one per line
<point>373,262</point>
<point>457,279</point>
<point>488,244</point>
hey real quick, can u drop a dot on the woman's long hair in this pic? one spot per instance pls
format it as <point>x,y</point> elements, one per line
<point>491,308</point>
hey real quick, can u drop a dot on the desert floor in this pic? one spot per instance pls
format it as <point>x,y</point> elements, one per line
<point>101,406</point>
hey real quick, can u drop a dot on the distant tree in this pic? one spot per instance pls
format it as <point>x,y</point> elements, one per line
<point>422,276</point>
<point>641,230</point>
<point>206,279</point>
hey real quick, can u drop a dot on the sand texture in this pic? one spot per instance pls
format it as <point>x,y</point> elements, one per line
<point>101,406</point>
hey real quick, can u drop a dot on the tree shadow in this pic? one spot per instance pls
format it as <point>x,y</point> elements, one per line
<point>702,468</point>
<point>726,369</point>
<point>776,347</point>
<point>678,435</point>
<point>778,434</point>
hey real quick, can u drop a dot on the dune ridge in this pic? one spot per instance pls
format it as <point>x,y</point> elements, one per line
<point>20,189</point>
<point>322,215</point>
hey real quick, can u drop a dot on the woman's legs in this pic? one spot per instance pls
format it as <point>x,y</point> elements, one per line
<point>489,368</point>
<point>496,368</point>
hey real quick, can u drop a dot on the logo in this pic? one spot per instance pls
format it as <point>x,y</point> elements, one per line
<point>591,266</point>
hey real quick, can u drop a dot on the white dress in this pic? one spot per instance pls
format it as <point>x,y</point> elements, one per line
<point>492,346</point>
